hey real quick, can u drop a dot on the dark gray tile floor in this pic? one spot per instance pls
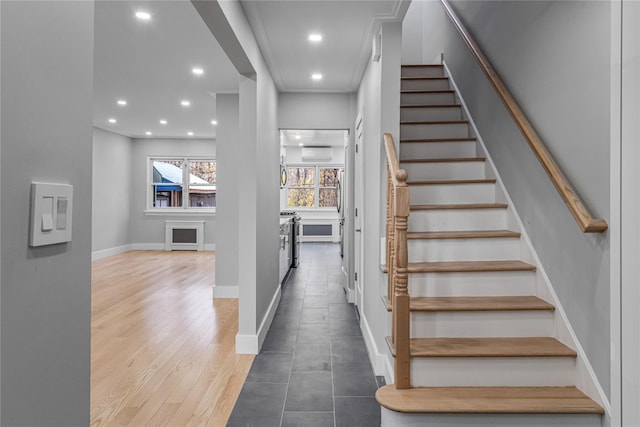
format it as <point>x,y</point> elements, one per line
<point>313,369</point>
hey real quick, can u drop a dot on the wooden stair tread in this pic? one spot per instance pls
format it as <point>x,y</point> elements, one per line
<point>445,160</point>
<point>497,303</point>
<point>488,400</point>
<point>453,182</point>
<point>478,234</point>
<point>468,266</point>
<point>434,140</point>
<point>459,206</point>
<point>424,78</point>
<point>489,347</point>
<point>427,91</point>
<point>434,122</point>
<point>431,106</point>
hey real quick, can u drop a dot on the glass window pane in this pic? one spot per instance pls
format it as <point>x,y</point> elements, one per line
<point>328,197</point>
<point>329,177</point>
<point>301,177</point>
<point>300,197</point>
<point>165,197</point>
<point>167,171</point>
<point>202,172</point>
<point>202,199</point>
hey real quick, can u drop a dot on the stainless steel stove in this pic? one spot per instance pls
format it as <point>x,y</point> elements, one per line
<point>294,237</point>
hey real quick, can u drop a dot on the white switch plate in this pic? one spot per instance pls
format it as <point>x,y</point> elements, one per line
<point>51,207</point>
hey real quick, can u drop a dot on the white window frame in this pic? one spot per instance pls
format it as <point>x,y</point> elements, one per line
<point>185,209</point>
<point>316,185</point>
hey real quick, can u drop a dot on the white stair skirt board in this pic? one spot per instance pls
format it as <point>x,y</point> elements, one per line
<point>493,249</point>
<point>434,130</point>
<point>427,98</point>
<point>397,419</point>
<point>437,150</point>
<point>507,283</point>
<point>475,324</point>
<point>457,219</point>
<point>444,170</point>
<point>427,84</point>
<point>492,372</point>
<point>430,113</point>
<point>443,194</point>
<point>378,360</point>
<point>422,71</point>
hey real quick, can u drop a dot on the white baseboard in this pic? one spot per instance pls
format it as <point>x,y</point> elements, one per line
<point>268,317</point>
<point>351,296</point>
<point>247,344</point>
<point>377,359</point>
<point>220,291</point>
<point>147,247</point>
<point>251,344</point>
<point>96,255</point>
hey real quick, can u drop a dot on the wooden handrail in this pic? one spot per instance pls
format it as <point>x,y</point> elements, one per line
<point>397,261</point>
<point>585,220</point>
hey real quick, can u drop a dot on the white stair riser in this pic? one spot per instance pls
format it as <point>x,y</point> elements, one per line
<point>458,219</point>
<point>398,419</point>
<point>452,193</point>
<point>479,324</point>
<point>422,72</point>
<point>428,84</point>
<point>444,170</point>
<point>426,114</point>
<point>463,249</point>
<point>425,98</point>
<point>436,130</point>
<point>492,372</point>
<point>437,150</point>
<point>506,283</point>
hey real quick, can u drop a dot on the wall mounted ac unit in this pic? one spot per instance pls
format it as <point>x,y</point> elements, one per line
<point>316,154</point>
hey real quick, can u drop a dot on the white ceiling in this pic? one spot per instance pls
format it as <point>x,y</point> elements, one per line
<point>282,27</point>
<point>149,63</point>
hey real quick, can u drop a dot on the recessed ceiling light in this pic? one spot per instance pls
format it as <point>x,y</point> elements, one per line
<point>214,122</point>
<point>298,137</point>
<point>316,76</point>
<point>143,16</point>
<point>185,103</point>
<point>122,102</point>
<point>190,133</point>
<point>112,121</point>
<point>163,122</point>
<point>315,37</point>
<point>197,71</point>
<point>301,144</point>
<point>148,133</point>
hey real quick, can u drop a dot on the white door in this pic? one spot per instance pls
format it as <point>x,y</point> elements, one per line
<point>358,212</point>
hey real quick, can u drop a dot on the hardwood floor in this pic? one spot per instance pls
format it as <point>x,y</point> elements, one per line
<point>162,351</point>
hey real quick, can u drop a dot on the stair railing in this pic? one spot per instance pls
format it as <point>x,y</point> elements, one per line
<point>584,218</point>
<point>397,259</point>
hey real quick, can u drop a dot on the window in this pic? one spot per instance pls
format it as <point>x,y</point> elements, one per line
<point>168,188</point>
<point>312,186</point>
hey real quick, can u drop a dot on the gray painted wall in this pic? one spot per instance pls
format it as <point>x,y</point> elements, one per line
<point>227,247</point>
<point>111,190</point>
<point>47,98</point>
<point>379,101</point>
<point>555,58</point>
<point>149,229</point>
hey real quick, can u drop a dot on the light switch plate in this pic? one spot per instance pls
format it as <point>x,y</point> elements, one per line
<point>51,208</point>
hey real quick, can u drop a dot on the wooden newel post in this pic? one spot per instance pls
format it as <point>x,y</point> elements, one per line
<point>401,279</point>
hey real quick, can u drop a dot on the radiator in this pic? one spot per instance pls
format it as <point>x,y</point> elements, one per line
<point>184,235</point>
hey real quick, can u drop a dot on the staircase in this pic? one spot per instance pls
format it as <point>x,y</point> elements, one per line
<point>481,340</point>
